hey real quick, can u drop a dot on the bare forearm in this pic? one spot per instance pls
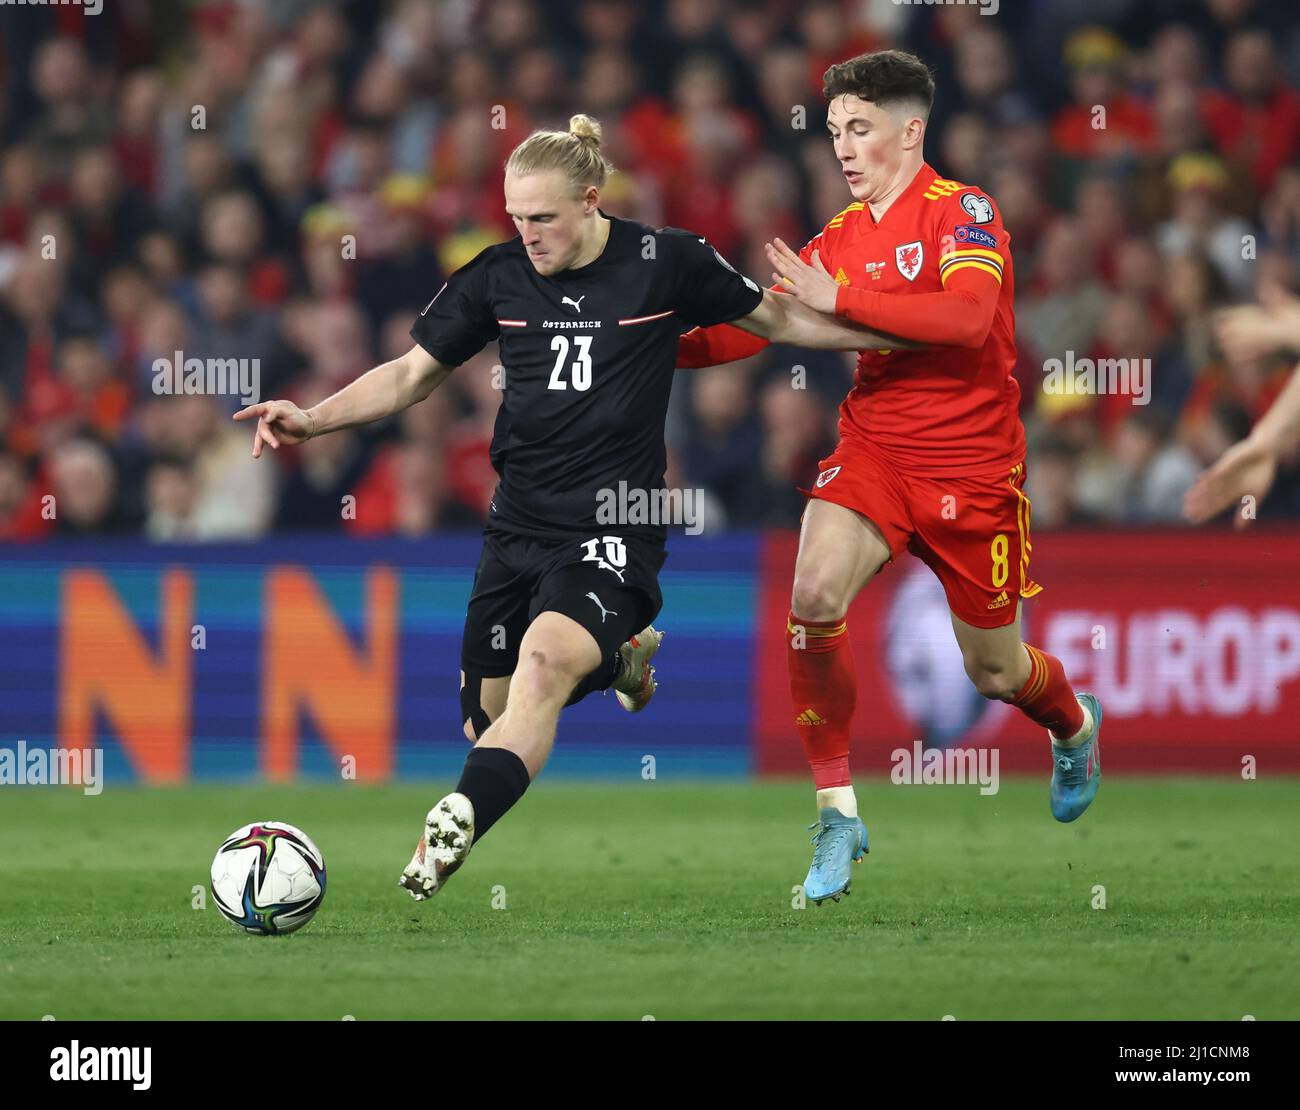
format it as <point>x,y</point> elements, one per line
<point>784,319</point>
<point>387,389</point>
<point>1279,428</point>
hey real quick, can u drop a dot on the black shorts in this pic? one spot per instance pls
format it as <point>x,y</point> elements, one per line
<point>608,583</point>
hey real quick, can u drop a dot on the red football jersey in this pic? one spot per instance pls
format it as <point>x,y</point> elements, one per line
<point>936,268</point>
<point>944,409</point>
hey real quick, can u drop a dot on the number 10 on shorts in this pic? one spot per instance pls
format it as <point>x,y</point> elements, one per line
<point>614,557</point>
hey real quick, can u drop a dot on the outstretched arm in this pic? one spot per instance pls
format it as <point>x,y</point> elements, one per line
<point>780,318</point>
<point>387,389</point>
<point>1248,467</point>
<point>781,321</point>
<point>721,343</point>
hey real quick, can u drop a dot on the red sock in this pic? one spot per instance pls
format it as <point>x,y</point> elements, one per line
<point>1047,697</point>
<point>824,692</point>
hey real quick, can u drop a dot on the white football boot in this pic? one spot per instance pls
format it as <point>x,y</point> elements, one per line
<point>448,835</point>
<point>636,684</point>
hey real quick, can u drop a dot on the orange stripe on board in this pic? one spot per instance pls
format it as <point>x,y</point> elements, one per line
<point>106,665</point>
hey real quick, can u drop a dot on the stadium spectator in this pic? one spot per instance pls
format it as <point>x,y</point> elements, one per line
<point>1200,221</point>
<point>295,183</point>
<point>1062,302</point>
<point>723,451</point>
<point>1256,120</point>
<point>86,495</point>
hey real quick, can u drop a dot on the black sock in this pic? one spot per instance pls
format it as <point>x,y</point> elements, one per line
<point>493,780</point>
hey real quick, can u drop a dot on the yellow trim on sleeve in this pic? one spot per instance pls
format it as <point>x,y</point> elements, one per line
<point>972,252</point>
<point>943,274</point>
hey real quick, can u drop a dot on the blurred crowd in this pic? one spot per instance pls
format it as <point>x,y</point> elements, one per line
<point>290,181</point>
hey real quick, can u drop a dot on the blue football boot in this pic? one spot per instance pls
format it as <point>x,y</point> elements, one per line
<point>838,841</point>
<point>1076,771</point>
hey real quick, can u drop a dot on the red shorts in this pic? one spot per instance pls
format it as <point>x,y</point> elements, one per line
<point>973,532</point>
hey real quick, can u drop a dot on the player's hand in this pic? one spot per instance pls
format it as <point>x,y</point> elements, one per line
<point>811,284</point>
<point>278,422</point>
<point>1245,468</point>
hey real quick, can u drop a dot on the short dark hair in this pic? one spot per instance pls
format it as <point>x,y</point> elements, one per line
<point>884,77</point>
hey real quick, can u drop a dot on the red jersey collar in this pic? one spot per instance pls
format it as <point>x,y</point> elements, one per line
<point>923,177</point>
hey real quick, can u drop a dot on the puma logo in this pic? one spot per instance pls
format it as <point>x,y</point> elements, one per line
<point>603,611</point>
<point>577,305</point>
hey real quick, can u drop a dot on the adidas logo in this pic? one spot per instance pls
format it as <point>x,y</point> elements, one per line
<point>1000,601</point>
<point>809,717</point>
<point>841,278</point>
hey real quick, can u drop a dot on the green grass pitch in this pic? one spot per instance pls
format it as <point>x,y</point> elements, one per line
<point>668,900</point>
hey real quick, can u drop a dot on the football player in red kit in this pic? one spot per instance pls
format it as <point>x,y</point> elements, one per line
<point>931,457</point>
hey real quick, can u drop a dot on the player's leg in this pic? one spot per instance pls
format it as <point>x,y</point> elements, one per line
<point>840,550</point>
<point>633,680</point>
<point>607,584</point>
<point>496,619</point>
<point>556,652</point>
<point>1002,666</point>
<point>577,642</point>
<point>981,555</point>
<point>482,701</point>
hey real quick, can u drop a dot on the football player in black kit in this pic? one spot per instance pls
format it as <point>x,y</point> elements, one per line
<point>586,309</point>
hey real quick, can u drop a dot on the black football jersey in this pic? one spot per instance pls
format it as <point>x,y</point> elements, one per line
<point>588,356</point>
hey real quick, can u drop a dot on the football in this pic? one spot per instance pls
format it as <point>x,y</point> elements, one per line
<point>268,878</point>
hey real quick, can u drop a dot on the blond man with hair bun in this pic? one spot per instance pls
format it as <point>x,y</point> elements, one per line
<point>586,309</point>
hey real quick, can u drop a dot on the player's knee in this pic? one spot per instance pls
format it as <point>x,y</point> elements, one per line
<point>992,682</point>
<point>817,597</point>
<point>546,672</point>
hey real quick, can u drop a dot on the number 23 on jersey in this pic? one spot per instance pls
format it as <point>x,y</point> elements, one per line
<point>579,371</point>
